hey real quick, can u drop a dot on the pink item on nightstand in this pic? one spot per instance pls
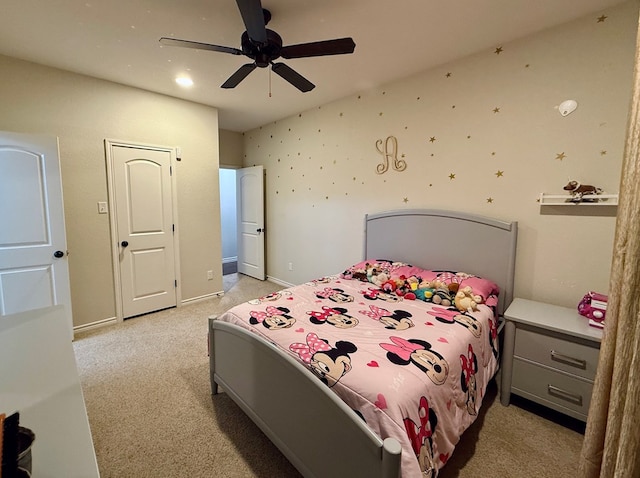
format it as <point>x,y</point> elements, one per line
<point>594,306</point>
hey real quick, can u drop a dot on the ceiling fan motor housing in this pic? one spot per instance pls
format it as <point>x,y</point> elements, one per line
<point>263,54</point>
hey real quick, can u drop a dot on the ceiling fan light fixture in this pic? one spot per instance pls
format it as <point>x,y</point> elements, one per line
<point>264,46</point>
<point>184,81</point>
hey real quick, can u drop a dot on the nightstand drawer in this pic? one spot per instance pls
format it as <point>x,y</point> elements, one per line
<point>554,389</point>
<point>562,354</point>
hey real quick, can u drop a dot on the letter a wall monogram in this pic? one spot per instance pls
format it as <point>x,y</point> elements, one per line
<point>389,151</point>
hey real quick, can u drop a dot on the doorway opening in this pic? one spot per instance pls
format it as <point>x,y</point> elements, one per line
<point>229,218</point>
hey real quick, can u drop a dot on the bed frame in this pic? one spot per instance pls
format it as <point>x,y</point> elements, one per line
<point>272,387</point>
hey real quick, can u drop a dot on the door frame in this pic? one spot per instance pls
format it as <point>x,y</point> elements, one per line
<point>113,223</point>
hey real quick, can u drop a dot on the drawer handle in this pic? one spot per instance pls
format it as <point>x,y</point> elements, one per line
<point>569,397</point>
<point>574,362</point>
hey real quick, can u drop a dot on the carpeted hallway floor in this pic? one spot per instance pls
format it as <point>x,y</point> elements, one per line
<point>146,388</point>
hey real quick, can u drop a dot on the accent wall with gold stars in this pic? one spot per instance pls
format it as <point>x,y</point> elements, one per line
<point>482,134</point>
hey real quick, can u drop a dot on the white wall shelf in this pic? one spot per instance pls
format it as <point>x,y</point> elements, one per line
<point>587,200</point>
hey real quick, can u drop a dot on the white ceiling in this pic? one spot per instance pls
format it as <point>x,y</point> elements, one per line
<point>117,40</point>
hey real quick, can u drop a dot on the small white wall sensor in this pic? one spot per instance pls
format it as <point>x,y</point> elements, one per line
<point>567,107</point>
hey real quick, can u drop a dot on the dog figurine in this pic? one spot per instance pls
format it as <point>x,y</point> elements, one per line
<point>578,190</point>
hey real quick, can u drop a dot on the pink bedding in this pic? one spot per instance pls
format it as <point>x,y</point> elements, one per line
<point>412,369</point>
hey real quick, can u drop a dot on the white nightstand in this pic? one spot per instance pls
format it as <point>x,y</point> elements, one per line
<point>550,356</point>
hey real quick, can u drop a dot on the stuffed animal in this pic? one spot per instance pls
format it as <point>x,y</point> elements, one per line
<point>466,301</point>
<point>403,287</point>
<point>379,278</point>
<point>424,293</point>
<point>578,190</point>
<point>442,294</point>
<point>359,275</point>
<point>389,286</point>
<point>373,271</point>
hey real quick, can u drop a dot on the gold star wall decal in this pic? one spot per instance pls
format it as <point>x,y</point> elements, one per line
<point>490,200</point>
<point>496,110</point>
<point>448,75</point>
<point>499,174</point>
<point>405,200</point>
<point>432,139</point>
<point>452,176</point>
<point>603,152</point>
<point>602,18</point>
<point>498,50</point>
<point>561,156</point>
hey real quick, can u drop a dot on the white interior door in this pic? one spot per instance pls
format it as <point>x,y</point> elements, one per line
<point>142,190</point>
<point>250,210</point>
<point>34,272</point>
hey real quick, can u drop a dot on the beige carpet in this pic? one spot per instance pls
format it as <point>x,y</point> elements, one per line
<point>146,387</point>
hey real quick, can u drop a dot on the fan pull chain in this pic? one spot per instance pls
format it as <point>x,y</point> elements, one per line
<point>269,82</point>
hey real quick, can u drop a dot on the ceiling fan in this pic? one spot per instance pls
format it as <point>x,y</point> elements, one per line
<point>264,46</point>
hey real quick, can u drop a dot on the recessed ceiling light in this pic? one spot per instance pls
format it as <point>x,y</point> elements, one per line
<point>184,81</point>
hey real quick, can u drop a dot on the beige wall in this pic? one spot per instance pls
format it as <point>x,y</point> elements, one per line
<point>82,112</point>
<point>498,142</point>
<point>231,149</point>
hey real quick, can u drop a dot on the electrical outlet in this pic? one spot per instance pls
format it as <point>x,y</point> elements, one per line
<point>209,275</point>
<point>290,266</point>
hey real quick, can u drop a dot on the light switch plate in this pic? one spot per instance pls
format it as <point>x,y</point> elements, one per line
<point>102,207</point>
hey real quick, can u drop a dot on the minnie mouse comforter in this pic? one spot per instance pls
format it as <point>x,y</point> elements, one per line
<point>413,367</point>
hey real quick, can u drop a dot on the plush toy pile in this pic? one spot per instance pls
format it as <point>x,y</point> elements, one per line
<point>445,288</point>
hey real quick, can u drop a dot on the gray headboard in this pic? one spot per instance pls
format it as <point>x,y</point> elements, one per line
<point>446,240</point>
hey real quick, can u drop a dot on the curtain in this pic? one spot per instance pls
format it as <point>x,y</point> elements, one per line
<point>611,445</point>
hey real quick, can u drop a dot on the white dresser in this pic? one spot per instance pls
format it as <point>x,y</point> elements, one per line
<point>39,379</point>
<point>550,356</point>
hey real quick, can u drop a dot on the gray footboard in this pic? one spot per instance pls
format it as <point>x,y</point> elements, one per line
<point>317,432</point>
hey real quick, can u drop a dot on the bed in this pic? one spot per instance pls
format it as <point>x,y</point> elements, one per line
<point>375,371</point>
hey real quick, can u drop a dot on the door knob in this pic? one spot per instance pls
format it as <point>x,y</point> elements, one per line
<point>124,243</point>
<point>58,254</point>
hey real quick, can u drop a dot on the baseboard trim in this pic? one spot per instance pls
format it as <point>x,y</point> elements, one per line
<point>95,325</point>
<point>279,281</point>
<point>202,297</point>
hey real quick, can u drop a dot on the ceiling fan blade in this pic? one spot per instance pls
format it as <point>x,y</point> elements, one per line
<point>253,18</point>
<point>339,46</point>
<point>293,77</point>
<point>239,75</point>
<point>199,46</point>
